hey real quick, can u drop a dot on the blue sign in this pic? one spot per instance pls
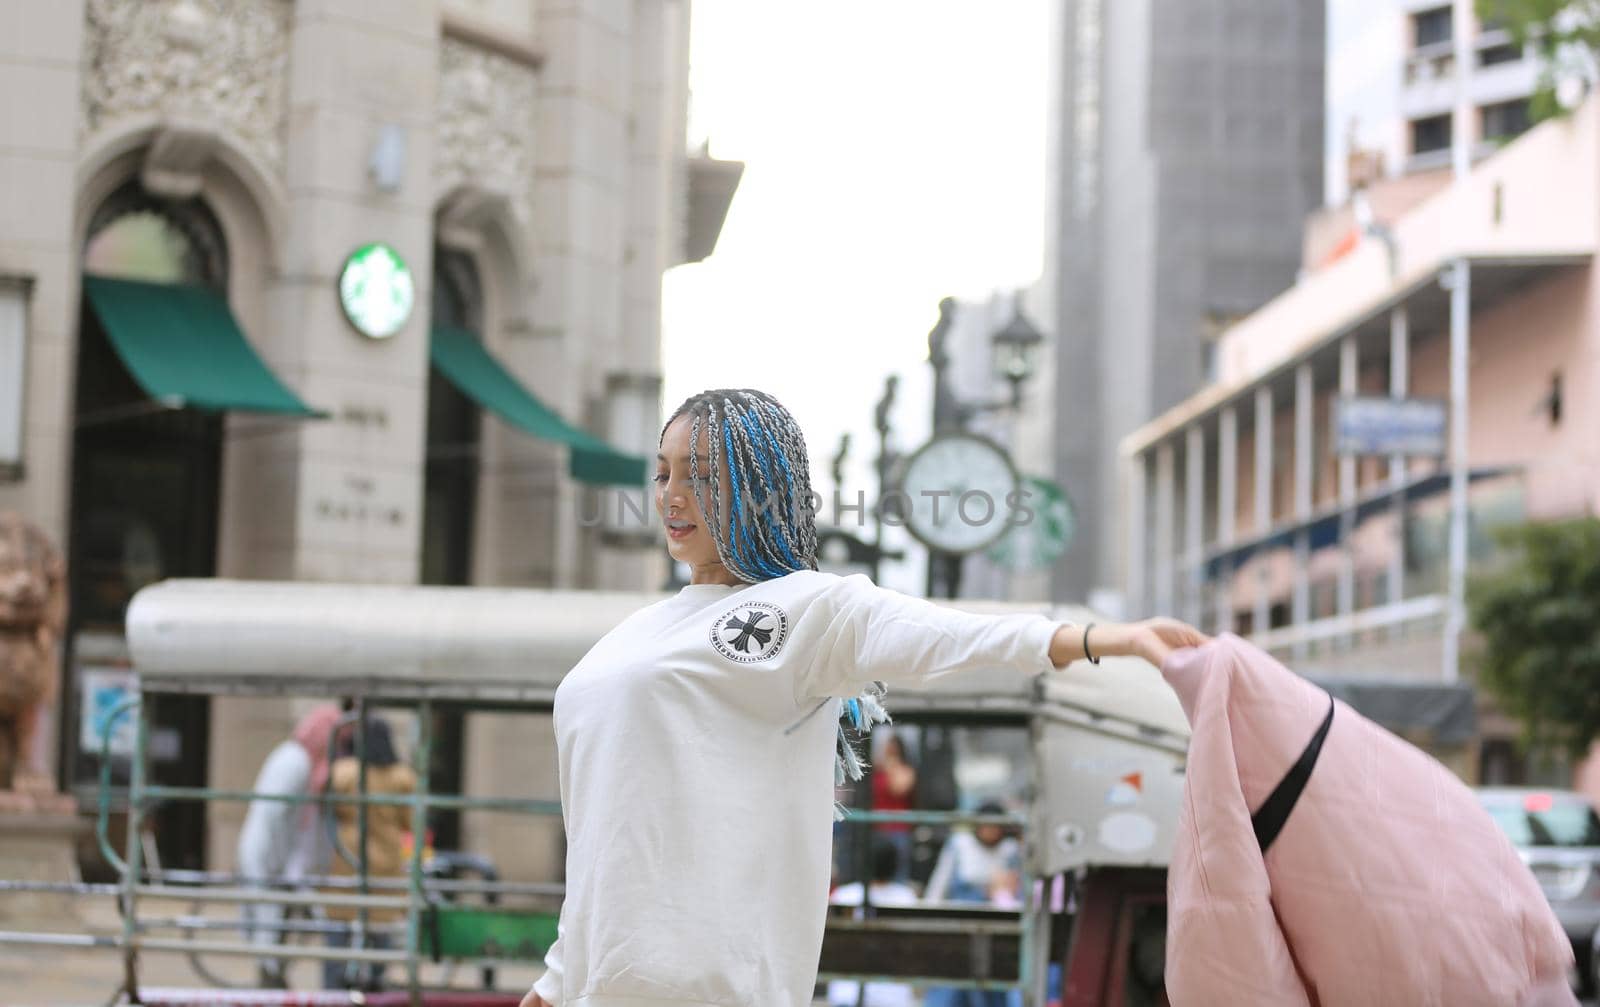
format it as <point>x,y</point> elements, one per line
<point>1384,426</point>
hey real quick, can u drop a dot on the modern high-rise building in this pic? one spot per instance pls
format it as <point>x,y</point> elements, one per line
<point>1187,147</point>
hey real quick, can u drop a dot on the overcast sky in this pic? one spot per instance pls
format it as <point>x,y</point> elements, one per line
<point>894,154</point>
<point>1365,48</point>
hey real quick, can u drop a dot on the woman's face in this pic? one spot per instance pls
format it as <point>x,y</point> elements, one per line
<point>688,539</point>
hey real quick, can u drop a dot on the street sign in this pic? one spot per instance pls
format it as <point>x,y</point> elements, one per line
<point>1385,426</point>
<point>1035,544</point>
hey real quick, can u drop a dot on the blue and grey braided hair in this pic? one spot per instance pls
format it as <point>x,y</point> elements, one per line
<point>766,525</point>
<point>768,528</point>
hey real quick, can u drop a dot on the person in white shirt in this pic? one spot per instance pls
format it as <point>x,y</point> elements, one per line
<point>976,865</point>
<point>699,741</point>
<point>885,891</point>
<point>982,865</point>
<point>280,841</point>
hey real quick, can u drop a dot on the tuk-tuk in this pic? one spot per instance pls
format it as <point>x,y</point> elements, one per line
<point>1104,746</point>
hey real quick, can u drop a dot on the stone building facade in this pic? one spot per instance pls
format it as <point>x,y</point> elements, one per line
<point>525,159</point>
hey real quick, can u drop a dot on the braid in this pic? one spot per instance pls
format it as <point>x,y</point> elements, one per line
<point>768,509</point>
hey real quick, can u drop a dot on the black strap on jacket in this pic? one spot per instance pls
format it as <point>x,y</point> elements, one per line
<point>1274,811</point>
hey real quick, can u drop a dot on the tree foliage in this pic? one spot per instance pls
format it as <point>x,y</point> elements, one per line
<point>1565,34</point>
<point>1539,616</point>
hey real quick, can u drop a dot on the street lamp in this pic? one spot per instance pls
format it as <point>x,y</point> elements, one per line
<point>1012,354</point>
<point>1013,348</point>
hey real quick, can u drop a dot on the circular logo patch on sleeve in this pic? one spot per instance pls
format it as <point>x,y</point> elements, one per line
<point>752,631</point>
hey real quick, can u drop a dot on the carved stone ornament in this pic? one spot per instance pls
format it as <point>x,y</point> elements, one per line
<point>486,122</point>
<point>221,61</point>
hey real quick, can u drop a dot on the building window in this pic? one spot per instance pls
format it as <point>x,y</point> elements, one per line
<point>1278,615</point>
<point>1504,120</point>
<point>1430,134</point>
<point>13,367</point>
<point>1431,27</point>
<point>1494,55</point>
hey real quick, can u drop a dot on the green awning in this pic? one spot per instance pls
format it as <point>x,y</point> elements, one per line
<point>462,358</point>
<point>184,348</point>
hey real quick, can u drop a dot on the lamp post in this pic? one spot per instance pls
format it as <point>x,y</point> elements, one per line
<point>840,550</point>
<point>1012,350</point>
<point>884,464</point>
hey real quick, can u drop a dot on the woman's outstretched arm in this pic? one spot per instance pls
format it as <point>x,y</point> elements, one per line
<point>866,633</point>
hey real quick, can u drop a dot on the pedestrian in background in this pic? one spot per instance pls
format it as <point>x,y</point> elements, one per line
<point>894,786</point>
<point>280,841</point>
<point>388,832</point>
<point>981,866</point>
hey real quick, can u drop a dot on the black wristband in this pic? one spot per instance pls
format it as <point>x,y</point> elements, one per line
<point>1091,657</point>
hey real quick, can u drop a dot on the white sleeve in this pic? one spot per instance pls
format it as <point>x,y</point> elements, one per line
<point>267,836</point>
<point>549,987</point>
<point>873,634</point>
<point>939,883</point>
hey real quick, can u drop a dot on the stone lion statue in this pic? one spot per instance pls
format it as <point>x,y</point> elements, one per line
<point>33,610</point>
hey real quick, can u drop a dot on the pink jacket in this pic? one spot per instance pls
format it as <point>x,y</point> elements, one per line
<point>1387,883</point>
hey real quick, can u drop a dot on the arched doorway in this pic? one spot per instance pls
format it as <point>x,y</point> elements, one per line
<point>450,500</point>
<point>145,492</point>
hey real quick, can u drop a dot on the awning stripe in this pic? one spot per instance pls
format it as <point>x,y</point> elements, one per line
<point>184,348</point>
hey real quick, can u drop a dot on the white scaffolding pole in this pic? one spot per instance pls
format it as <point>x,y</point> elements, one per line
<point>1304,392</point>
<point>1399,388</point>
<point>1349,375</point>
<point>1138,529</point>
<point>1194,523</point>
<point>1460,275</point>
<point>1227,496</point>
<point>1260,620</point>
<point>1166,529</point>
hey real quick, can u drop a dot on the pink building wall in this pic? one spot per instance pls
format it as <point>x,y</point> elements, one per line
<point>1550,327</point>
<point>1517,345</point>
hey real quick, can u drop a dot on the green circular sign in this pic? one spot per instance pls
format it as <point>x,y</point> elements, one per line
<point>1035,544</point>
<point>376,291</point>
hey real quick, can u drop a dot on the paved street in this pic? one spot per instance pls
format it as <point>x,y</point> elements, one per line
<point>59,977</point>
<point>50,977</point>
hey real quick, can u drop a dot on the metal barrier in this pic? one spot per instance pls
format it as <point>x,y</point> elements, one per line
<point>435,927</point>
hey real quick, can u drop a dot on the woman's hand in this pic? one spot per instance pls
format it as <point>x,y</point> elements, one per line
<point>1152,639</point>
<point>1155,639</point>
<point>534,1000</point>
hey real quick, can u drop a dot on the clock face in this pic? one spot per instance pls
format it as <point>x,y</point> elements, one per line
<point>376,291</point>
<point>958,488</point>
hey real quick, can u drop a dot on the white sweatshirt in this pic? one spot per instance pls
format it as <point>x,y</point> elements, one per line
<point>697,782</point>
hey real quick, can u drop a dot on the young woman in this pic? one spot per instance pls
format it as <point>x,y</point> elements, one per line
<point>700,740</point>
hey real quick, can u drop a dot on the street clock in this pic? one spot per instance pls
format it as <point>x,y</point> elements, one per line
<point>960,488</point>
